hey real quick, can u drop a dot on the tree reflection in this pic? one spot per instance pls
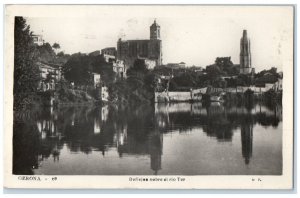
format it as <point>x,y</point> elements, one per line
<point>26,146</point>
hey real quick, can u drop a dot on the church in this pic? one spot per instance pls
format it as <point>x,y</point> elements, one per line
<point>149,50</point>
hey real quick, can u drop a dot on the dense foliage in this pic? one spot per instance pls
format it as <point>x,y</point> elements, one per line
<point>138,88</point>
<point>47,54</point>
<point>56,46</point>
<point>79,69</point>
<point>26,71</point>
<point>223,73</point>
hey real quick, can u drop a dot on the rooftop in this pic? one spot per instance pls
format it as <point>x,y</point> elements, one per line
<point>48,65</point>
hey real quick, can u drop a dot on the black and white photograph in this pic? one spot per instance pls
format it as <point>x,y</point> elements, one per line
<point>151,92</point>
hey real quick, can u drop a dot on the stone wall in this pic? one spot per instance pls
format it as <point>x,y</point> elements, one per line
<point>179,96</point>
<point>161,97</point>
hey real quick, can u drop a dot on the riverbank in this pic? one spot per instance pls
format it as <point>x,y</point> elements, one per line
<point>248,96</point>
<point>129,93</point>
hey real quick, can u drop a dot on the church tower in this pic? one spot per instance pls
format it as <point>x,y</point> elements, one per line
<point>155,44</point>
<point>245,54</point>
<point>154,31</point>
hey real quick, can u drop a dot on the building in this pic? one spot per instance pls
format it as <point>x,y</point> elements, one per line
<point>104,93</point>
<point>37,39</point>
<point>277,86</point>
<point>149,50</point>
<point>109,54</point>
<point>176,65</point>
<point>280,74</point>
<point>197,69</point>
<point>96,79</point>
<point>119,69</point>
<point>245,54</point>
<point>50,74</point>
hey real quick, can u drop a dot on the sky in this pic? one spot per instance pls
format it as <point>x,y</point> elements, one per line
<point>195,35</point>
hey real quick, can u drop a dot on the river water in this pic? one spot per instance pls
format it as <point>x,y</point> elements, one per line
<point>163,139</point>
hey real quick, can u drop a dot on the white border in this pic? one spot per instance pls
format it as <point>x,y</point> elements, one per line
<point>272,182</point>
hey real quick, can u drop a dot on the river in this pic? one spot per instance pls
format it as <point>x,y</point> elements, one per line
<point>162,139</point>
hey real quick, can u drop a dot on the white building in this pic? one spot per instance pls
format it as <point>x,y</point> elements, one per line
<point>97,79</point>
<point>104,93</point>
<point>50,74</point>
<point>119,68</point>
<point>176,65</point>
<point>109,54</point>
<point>37,39</point>
<point>278,85</point>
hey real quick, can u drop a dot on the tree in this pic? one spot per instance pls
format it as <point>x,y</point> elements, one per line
<point>100,66</point>
<point>231,82</point>
<point>139,66</point>
<point>173,86</point>
<point>272,71</point>
<point>186,80</point>
<point>56,46</point>
<point>46,53</point>
<point>151,81</point>
<point>214,71</point>
<point>26,71</point>
<point>60,54</point>
<point>77,69</point>
<point>223,62</point>
<point>222,66</point>
<point>219,83</point>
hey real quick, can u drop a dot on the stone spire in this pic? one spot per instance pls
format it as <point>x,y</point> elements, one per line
<point>245,54</point>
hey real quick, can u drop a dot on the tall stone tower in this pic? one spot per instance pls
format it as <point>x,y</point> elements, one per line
<point>155,44</point>
<point>155,31</point>
<point>245,54</point>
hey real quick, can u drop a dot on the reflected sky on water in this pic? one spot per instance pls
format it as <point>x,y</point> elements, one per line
<point>163,139</point>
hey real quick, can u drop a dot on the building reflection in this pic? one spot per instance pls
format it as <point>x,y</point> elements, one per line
<point>219,121</point>
<point>247,141</point>
<point>96,126</point>
<point>138,137</point>
<point>155,151</point>
<point>120,137</point>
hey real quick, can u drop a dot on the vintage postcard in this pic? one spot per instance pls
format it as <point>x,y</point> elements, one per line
<point>149,96</point>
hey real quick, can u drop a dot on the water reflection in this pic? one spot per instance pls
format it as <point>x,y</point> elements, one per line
<point>247,141</point>
<point>136,133</point>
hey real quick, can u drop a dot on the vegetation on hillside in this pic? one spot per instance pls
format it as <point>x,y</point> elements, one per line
<point>138,88</point>
<point>47,54</point>
<point>79,69</point>
<point>26,71</point>
<point>223,73</point>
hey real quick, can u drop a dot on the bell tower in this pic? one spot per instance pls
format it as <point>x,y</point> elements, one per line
<point>245,54</point>
<point>154,31</point>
